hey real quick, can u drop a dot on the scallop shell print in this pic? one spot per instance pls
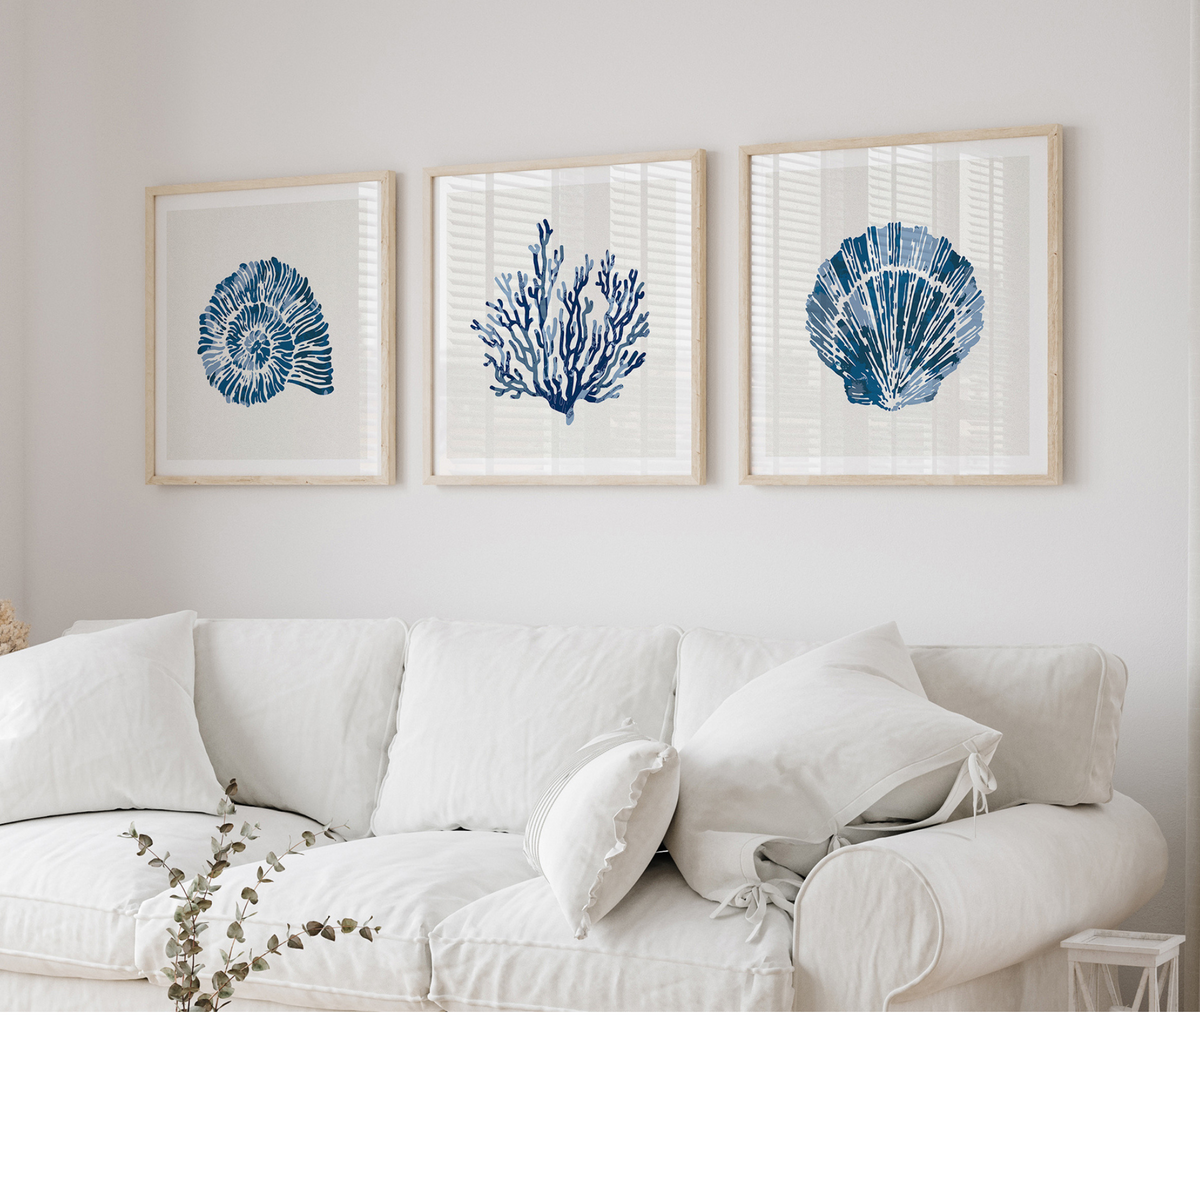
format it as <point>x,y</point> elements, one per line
<point>894,312</point>
<point>262,330</point>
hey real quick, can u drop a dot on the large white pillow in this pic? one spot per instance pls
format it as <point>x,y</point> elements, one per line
<point>300,710</point>
<point>837,744</point>
<point>602,821</point>
<point>1059,707</point>
<point>490,713</point>
<point>90,724</point>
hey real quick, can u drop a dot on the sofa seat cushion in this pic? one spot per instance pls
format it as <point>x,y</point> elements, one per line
<point>70,887</point>
<point>658,950</point>
<point>406,883</point>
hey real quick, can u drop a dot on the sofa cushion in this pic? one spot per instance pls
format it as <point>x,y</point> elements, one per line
<point>1058,707</point>
<point>300,711</point>
<point>489,714</point>
<point>601,822</point>
<point>103,724</point>
<point>839,741</point>
<point>70,887</point>
<point>658,950</point>
<point>405,883</point>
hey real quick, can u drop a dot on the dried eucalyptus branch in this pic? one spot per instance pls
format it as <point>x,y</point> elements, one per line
<point>183,945</point>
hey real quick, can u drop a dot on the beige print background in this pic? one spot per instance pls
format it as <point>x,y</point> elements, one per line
<point>203,246</point>
<point>803,206</point>
<point>486,224</point>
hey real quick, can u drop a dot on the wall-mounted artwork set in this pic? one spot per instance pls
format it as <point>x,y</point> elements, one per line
<point>900,319</point>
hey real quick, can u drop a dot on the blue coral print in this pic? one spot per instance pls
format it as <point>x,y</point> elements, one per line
<point>564,357</point>
<point>894,312</point>
<point>262,330</point>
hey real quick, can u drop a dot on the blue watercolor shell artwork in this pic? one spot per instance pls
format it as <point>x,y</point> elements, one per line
<point>894,312</point>
<point>262,330</point>
<point>563,357</point>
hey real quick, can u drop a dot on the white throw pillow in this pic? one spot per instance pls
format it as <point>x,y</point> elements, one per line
<point>489,714</point>
<point>90,724</point>
<point>839,744</point>
<point>601,822</point>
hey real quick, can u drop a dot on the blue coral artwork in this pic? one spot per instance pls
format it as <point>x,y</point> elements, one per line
<point>894,312</point>
<point>559,354</point>
<point>262,330</point>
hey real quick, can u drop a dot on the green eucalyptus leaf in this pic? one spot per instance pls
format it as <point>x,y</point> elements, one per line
<point>328,932</point>
<point>312,928</point>
<point>310,839</point>
<point>169,972</point>
<point>248,893</point>
<point>365,932</point>
<point>272,943</point>
<point>174,992</point>
<point>226,993</point>
<point>348,925</point>
<point>226,828</point>
<point>219,980</point>
<point>237,847</point>
<point>294,942</point>
<point>235,932</point>
<point>260,964</point>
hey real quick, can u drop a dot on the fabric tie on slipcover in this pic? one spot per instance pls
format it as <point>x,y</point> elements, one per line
<point>983,783</point>
<point>754,898</point>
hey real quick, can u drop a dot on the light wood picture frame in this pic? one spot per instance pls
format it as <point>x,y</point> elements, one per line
<point>900,309</point>
<point>270,331</point>
<point>522,386</point>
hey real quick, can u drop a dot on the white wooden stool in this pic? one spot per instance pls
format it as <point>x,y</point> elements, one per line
<point>1099,950</point>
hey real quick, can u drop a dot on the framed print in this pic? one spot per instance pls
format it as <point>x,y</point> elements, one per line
<point>269,331</point>
<point>565,321</point>
<point>901,313</point>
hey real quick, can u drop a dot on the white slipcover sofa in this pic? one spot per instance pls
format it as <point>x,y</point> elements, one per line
<point>429,748</point>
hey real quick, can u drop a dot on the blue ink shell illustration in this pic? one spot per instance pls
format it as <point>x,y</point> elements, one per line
<point>893,312</point>
<point>563,358</point>
<point>262,330</point>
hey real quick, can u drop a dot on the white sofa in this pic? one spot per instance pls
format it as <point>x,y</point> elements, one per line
<point>305,714</point>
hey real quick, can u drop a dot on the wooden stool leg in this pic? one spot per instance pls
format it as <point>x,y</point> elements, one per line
<point>1137,1000</point>
<point>1173,992</point>
<point>1113,994</point>
<point>1071,1006</point>
<point>1152,998</point>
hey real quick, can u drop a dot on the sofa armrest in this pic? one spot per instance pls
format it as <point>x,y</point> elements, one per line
<point>909,915</point>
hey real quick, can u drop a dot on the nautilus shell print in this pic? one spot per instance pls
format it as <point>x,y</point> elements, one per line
<point>893,312</point>
<point>262,330</point>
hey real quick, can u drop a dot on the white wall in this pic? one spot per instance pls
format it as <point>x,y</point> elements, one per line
<point>128,94</point>
<point>12,342</point>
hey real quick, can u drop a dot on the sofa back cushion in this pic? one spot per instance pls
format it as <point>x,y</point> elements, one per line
<point>491,714</point>
<point>300,711</point>
<point>1058,707</point>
